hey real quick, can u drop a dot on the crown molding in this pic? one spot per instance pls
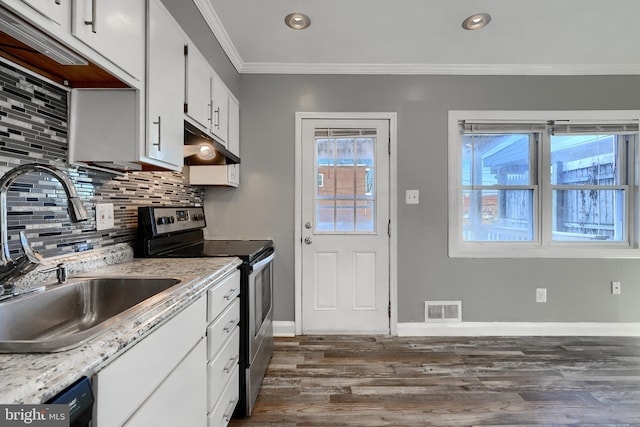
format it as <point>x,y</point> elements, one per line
<point>212,19</point>
<point>443,69</point>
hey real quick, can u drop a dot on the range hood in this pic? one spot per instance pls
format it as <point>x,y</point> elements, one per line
<point>195,136</point>
<point>27,46</point>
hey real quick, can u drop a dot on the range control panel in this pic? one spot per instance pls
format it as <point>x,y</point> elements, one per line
<point>166,220</point>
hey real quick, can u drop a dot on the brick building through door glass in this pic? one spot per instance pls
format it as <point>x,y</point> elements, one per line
<point>345,196</point>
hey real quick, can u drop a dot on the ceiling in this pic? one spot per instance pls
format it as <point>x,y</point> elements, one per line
<point>536,37</point>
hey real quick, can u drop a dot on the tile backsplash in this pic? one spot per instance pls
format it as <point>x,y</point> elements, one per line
<point>34,128</point>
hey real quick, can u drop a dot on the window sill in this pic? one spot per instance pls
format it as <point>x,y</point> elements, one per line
<point>525,250</point>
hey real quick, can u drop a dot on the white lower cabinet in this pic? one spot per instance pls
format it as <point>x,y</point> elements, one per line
<point>177,402</point>
<point>176,376</point>
<point>123,387</point>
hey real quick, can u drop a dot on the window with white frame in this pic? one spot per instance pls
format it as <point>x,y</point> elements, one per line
<point>543,184</point>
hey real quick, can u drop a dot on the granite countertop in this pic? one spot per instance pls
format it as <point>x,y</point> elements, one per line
<point>36,377</point>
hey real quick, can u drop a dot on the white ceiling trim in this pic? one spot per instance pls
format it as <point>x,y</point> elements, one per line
<point>444,69</point>
<point>214,22</point>
<point>216,26</point>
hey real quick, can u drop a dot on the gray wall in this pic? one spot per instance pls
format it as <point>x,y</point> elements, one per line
<point>491,290</point>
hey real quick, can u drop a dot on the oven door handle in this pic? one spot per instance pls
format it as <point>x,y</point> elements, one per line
<point>258,265</point>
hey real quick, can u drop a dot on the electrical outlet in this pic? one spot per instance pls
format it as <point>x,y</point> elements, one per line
<point>412,197</point>
<point>616,288</point>
<point>541,294</point>
<point>104,216</point>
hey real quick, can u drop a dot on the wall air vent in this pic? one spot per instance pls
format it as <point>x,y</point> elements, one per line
<point>442,311</point>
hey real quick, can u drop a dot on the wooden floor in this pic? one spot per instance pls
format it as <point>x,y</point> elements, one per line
<point>391,381</point>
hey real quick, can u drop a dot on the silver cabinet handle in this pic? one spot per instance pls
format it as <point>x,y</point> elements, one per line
<point>307,225</point>
<point>231,326</point>
<point>232,362</point>
<point>159,143</point>
<point>94,17</point>
<point>232,293</point>
<point>217,123</point>
<point>308,240</point>
<point>210,112</point>
<point>58,2</point>
<point>229,412</point>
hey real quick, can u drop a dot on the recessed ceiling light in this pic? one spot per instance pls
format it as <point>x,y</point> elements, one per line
<point>476,21</point>
<point>297,21</point>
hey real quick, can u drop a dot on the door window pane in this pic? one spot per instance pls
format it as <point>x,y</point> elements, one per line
<point>345,194</point>
<point>325,215</point>
<point>345,215</point>
<point>365,215</point>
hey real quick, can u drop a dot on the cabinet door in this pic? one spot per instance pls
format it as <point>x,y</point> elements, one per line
<point>165,86</point>
<point>181,399</point>
<point>233,131</point>
<point>55,10</point>
<point>145,366</point>
<point>115,29</point>
<point>220,108</point>
<point>199,74</point>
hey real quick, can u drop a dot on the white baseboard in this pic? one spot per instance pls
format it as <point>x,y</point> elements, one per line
<point>483,329</point>
<point>284,329</point>
<point>479,329</point>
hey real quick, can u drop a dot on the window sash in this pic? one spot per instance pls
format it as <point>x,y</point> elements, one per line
<point>543,243</point>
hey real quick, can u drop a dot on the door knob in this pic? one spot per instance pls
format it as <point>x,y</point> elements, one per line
<point>307,240</point>
<point>307,225</point>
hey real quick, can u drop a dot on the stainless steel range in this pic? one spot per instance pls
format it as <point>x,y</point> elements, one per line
<point>177,232</point>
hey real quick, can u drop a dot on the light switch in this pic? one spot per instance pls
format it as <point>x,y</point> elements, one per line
<point>413,197</point>
<point>104,216</point>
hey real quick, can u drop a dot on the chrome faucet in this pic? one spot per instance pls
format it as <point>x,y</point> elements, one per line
<point>12,269</point>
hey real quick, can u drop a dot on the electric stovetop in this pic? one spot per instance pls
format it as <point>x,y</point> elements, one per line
<point>243,249</point>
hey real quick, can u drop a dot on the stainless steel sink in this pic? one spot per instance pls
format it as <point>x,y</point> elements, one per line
<point>64,316</point>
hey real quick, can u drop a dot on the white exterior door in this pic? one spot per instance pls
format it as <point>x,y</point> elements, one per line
<point>344,226</point>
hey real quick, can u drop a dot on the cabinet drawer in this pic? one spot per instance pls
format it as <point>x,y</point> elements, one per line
<point>220,369</point>
<point>222,295</point>
<point>222,329</point>
<point>221,414</point>
<point>145,366</point>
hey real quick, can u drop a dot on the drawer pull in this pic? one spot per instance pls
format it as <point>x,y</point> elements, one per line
<point>232,362</point>
<point>232,293</point>
<point>229,412</point>
<point>231,326</point>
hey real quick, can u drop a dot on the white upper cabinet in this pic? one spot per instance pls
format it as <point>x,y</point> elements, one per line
<point>220,108</point>
<point>122,130</point>
<point>165,86</point>
<point>198,88</point>
<point>57,11</point>
<point>207,98</point>
<point>210,105</point>
<point>115,29</point>
<point>233,127</point>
